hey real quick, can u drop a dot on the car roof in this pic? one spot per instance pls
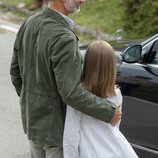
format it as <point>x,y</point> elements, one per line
<point>149,40</point>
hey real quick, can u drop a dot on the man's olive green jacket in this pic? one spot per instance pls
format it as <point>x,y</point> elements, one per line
<point>45,70</point>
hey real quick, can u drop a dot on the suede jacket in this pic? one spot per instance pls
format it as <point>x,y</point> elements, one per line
<point>45,70</point>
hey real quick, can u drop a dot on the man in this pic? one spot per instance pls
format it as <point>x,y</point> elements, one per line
<point>45,70</point>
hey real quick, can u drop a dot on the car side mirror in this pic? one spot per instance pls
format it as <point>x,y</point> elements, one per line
<point>132,54</point>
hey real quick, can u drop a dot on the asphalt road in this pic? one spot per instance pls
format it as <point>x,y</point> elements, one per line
<point>13,141</point>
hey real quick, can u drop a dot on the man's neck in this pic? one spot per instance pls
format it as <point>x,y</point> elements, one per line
<point>58,6</point>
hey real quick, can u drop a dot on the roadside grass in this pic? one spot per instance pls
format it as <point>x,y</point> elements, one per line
<point>16,2</point>
<point>99,15</point>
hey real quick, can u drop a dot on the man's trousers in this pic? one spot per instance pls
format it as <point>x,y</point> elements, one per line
<point>44,151</point>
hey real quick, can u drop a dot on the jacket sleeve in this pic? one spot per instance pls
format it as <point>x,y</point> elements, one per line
<point>71,137</point>
<point>66,62</point>
<point>14,69</point>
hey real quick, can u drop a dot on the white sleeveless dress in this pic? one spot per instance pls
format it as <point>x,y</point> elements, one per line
<point>87,137</point>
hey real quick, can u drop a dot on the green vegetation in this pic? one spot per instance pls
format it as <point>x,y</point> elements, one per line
<point>100,15</point>
<point>137,18</point>
<point>15,2</point>
<point>141,18</point>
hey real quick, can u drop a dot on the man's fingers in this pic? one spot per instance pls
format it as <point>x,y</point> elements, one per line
<point>116,117</point>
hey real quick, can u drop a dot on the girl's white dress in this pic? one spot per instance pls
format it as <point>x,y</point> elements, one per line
<point>87,137</point>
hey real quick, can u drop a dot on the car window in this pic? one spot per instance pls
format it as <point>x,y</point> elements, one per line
<point>148,44</point>
<point>155,60</point>
<point>154,53</point>
<point>146,48</point>
<point>152,56</point>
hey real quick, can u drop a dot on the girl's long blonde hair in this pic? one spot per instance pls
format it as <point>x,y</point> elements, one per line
<point>99,70</point>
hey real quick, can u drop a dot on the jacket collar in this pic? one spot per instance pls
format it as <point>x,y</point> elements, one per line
<point>56,15</point>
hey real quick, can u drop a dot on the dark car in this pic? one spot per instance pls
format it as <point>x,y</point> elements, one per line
<point>137,76</point>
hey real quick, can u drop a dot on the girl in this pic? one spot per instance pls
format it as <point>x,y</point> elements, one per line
<point>85,136</point>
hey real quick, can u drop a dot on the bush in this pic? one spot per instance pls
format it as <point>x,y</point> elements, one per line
<point>140,18</point>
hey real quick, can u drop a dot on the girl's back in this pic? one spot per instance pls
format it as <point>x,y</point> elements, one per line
<point>101,140</point>
<point>87,137</point>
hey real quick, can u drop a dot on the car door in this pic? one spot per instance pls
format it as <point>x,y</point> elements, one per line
<point>139,86</point>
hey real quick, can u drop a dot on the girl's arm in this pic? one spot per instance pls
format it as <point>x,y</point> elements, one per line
<point>71,137</point>
<point>119,100</point>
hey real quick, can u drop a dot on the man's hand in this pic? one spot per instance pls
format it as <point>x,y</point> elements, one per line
<point>116,117</point>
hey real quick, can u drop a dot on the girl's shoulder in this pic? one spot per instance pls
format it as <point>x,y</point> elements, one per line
<point>117,90</point>
<point>117,99</point>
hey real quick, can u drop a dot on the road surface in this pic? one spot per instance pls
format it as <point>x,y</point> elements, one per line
<point>13,141</point>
